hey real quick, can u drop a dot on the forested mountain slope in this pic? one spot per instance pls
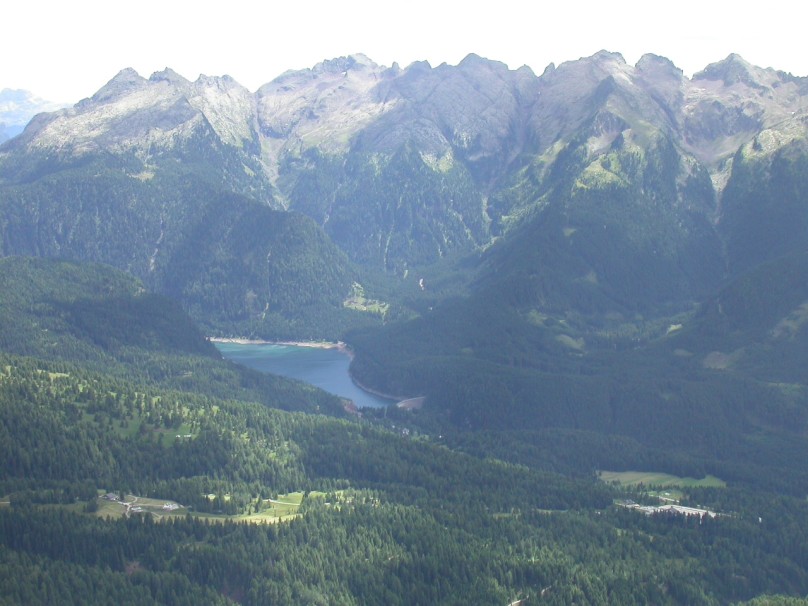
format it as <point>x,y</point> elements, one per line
<point>233,262</point>
<point>127,487</point>
<point>104,320</point>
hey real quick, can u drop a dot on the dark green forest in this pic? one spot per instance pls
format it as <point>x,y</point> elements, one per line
<point>125,405</point>
<point>237,265</point>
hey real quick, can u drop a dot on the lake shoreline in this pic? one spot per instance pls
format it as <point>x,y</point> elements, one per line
<point>406,403</point>
<point>338,345</point>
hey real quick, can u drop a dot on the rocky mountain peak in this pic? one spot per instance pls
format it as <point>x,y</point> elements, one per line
<point>124,82</point>
<point>480,112</point>
<point>170,76</point>
<point>322,107</point>
<point>604,56</point>
<point>655,65</point>
<point>732,70</point>
<point>664,82</point>
<point>418,67</point>
<point>474,61</point>
<point>603,64</point>
<point>480,68</point>
<point>586,72</point>
<point>134,113</point>
<point>222,83</point>
<point>228,106</point>
<point>343,64</point>
<point>729,102</point>
<point>571,95</point>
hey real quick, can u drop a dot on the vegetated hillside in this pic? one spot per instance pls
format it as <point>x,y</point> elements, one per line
<point>238,266</point>
<point>725,385</point>
<point>163,178</point>
<point>61,309</point>
<point>552,348</point>
<point>755,326</point>
<point>105,320</point>
<point>220,499</point>
<point>764,205</point>
<point>652,192</point>
<point>620,235</point>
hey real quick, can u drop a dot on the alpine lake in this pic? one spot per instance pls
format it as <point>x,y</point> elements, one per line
<point>323,367</point>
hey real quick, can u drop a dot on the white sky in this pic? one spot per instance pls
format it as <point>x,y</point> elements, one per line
<point>65,51</point>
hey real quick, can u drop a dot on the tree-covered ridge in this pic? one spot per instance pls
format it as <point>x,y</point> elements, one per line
<point>236,441</point>
<point>622,231</point>
<point>63,309</point>
<point>104,319</point>
<point>237,265</point>
<point>415,522</point>
<point>391,212</point>
<point>724,384</point>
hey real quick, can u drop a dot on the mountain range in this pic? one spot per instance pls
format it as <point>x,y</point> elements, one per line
<point>584,210</point>
<point>484,144</point>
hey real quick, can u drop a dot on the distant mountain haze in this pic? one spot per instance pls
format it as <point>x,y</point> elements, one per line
<point>17,107</point>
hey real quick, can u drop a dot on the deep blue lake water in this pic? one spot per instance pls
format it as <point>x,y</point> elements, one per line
<point>325,368</point>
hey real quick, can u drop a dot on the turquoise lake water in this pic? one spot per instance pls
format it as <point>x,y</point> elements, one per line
<point>324,368</point>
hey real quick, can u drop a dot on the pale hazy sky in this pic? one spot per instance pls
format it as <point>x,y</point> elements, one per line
<point>65,51</point>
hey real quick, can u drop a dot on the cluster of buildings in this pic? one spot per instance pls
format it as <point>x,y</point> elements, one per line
<point>668,508</point>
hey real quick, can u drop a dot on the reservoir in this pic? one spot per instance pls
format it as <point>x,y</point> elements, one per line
<point>324,368</point>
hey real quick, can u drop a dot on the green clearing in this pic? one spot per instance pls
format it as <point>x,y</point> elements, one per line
<point>159,508</point>
<point>285,507</point>
<point>357,301</point>
<point>658,479</point>
<point>130,427</point>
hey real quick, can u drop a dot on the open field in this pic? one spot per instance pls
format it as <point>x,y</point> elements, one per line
<point>159,508</point>
<point>657,479</point>
<point>110,506</point>
<point>285,507</point>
